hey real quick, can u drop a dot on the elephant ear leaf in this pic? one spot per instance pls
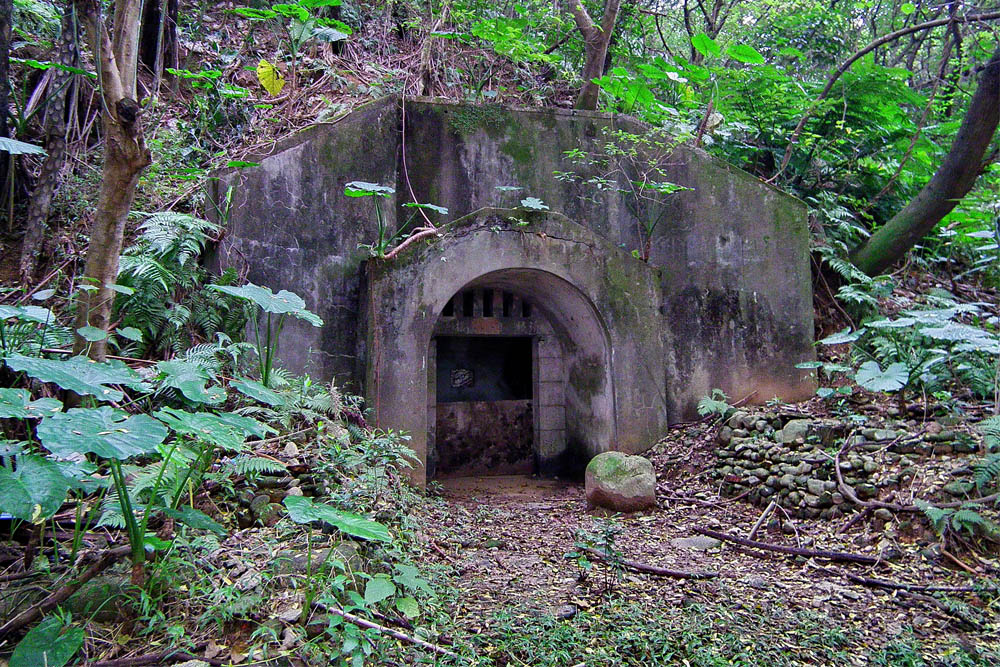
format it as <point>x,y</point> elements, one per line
<point>303,510</point>
<point>49,643</point>
<point>80,374</point>
<point>35,491</point>
<point>282,303</point>
<point>189,379</point>
<point>111,434</point>
<point>17,404</point>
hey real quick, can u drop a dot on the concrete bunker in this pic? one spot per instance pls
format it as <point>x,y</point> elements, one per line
<point>518,378</point>
<point>724,300</point>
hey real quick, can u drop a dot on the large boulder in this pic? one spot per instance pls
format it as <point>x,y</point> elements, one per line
<point>620,482</point>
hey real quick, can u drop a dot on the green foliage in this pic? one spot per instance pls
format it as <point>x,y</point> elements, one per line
<point>282,304</point>
<point>52,643</point>
<point>635,167</point>
<point>925,347</point>
<point>304,510</point>
<point>715,404</point>
<point>171,305</point>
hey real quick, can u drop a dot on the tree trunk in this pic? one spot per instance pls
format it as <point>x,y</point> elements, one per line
<point>125,156</point>
<point>952,181</point>
<point>6,15</point>
<point>55,144</point>
<point>596,39</point>
<point>158,38</point>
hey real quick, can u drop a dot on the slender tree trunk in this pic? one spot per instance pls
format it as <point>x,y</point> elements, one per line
<point>125,156</point>
<point>6,14</point>
<point>596,39</point>
<point>952,181</point>
<point>55,144</point>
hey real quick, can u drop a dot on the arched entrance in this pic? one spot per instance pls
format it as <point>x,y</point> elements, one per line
<point>582,317</point>
<point>518,378</point>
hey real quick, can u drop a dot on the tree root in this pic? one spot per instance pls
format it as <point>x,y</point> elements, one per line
<point>651,569</point>
<point>794,551</point>
<point>36,611</point>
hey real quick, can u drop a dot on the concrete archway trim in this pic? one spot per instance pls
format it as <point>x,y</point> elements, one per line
<point>605,301</point>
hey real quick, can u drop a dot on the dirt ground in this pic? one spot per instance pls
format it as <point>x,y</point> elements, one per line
<point>506,538</point>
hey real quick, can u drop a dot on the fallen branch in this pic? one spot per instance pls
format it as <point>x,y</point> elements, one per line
<point>36,611</point>
<point>794,551</point>
<point>396,634</point>
<point>652,569</point>
<point>891,585</point>
<point>760,522</point>
<point>159,658</point>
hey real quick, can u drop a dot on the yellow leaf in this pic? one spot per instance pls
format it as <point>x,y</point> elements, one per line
<point>270,77</point>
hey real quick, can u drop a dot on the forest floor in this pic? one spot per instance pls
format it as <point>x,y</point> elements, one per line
<point>506,542</point>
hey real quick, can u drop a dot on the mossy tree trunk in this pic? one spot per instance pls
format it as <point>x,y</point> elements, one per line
<point>55,143</point>
<point>596,39</point>
<point>125,156</point>
<point>6,16</point>
<point>952,181</point>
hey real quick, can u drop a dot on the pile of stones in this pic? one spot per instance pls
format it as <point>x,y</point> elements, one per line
<point>784,458</point>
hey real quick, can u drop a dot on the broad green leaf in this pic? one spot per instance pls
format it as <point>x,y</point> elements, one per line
<point>92,334</point>
<point>190,379</point>
<point>27,313</point>
<point>873,378</point>
<point>130,333</point>
<point>43,294</point>
<point>257,391</point>
<point>366,189</point>
<point>15,147</point>
<point>303,510</point>
<point>952,331</point>
<point>534,203</point>
<point>196,519</point>
<point>313,4</point>
<point>247,425</point>
<point>408,607</point>
<point>48,644</point>
<point>705,45</point>
<point>328,34</point>
<point>431,207</point>
<point>907,8</point>
<point>745,54</point>
<point>121,289</point>
<point>291,11</point>
<point>80,374</point>
<point>900,323</point>
<point>270,78</point>
<point>805,365</point>
<point>409,577</point>
<point>379,588</point>
<point>33,492</point>
<point>284,302</point>
<point>110,434</point>
<point>205,426</point>
<point>845,336</point>
<point>17,404</point>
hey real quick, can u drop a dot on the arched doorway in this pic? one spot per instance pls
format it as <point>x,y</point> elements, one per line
<point>593,329</point>
<point>518,379</point>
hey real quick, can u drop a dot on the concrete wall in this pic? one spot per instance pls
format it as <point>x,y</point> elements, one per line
<point>732,308</point>
<point>292,228</point>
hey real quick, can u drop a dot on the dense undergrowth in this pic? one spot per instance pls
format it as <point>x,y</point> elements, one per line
<point>251,502</point>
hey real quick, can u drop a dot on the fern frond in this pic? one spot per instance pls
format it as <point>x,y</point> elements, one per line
<point>254,465</point>
<point>987,471</point>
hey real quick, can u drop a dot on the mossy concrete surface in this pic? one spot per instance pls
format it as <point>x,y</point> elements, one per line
<point>731,307</point>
